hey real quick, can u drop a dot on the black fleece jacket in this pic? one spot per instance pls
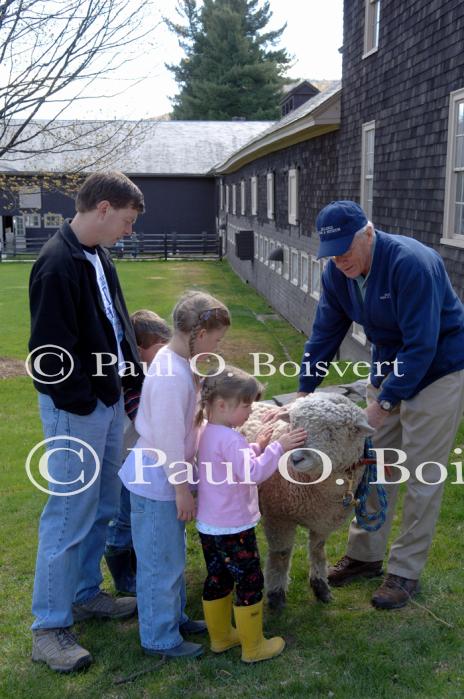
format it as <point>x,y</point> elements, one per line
<point>67,311</point>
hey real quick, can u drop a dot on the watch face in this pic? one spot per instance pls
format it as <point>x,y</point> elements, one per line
<point>385,405</point>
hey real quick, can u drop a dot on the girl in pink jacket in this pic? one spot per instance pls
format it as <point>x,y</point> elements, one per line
<point>229,470</point>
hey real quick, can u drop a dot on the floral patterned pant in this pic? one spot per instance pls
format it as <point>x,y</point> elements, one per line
<point>233,559</point>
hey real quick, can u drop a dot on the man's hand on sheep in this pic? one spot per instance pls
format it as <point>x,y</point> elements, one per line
<point>264,437</point>
<point>293,439</point>
<point>375,415</point>
<point>281,413</point>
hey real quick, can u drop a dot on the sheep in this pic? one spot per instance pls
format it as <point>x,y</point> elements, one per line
<point>338,428</point>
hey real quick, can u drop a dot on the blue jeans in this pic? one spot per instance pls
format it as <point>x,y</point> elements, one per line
<point>119,532</point>
<point>159,542</point>
<point>73,527</point>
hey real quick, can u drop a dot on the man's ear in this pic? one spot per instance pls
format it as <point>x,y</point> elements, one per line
<point>103,207</point>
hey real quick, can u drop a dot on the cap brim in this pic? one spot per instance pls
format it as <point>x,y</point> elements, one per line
<point>331,248</point>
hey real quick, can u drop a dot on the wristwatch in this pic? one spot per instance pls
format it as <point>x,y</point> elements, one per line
<point>386,405</point>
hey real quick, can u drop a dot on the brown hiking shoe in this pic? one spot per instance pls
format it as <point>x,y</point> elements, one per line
<point>395,592</point>
<point>59,649</point>
<point>348,569</point>
<point>103,606</point>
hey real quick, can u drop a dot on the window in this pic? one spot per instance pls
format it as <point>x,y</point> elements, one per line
<point>261,248</point>
<point>293,196</point>
<point>272,246</point>
<point>227,198</point>
<point>367,167</point>
<point>294,271</point>
<point>242,197</point>
<point>234,199</point>
<point>358,333</point>
<point>453,225</point>
<point>315,278</point>
<point>30,198</point>
<point>254,196</point>
<point>270,195</point>
<point>266,251</point>
<point>52,220</point>
<point>256,245</point>
<point>32,220</point>
<point>371,27</point>
<point>221,195</point>
<point>285,266</point>
<point>304,271</point>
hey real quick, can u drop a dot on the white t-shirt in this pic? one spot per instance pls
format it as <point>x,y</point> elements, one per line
<point>107,303</point>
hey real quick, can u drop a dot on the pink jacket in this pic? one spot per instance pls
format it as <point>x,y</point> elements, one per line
<point>233,503</point>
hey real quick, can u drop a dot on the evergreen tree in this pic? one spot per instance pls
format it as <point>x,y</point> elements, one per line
<point>231,68</point>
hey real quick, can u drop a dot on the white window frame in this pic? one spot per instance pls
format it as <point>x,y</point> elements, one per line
<point>221,195</point>
<point>32,220</point>
<point>256,237</point>
<point>266,251</point>
<point>286,262</point>
<point>272,245</point>
<point>371,27</point>
<point>242,197</point>
<point>315,272</point>
<point>367,172</point>
<point>293,196</point>
<point>450,237</point>
<point>227,198</point>
<point>52,220</point>
<point>234,199</point>
<point>254,195</point>
<point>294,267</point>
<point>261,248</point>
<point>270,195</point>
<point>304,263</point>
<point>358,333</point>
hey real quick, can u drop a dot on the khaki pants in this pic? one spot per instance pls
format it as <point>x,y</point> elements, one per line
<point>423,427</point>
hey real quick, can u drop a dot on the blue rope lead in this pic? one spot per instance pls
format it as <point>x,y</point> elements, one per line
<point>370,521</point>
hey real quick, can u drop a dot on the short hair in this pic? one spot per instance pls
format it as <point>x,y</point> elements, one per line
<point>149,328</point>
<point>112,186</point>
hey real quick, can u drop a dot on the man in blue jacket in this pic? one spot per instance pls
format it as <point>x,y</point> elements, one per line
<point>399,291</point>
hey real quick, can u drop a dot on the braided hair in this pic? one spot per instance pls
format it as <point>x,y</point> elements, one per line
<point>197,310</point>
<point>231,383</point>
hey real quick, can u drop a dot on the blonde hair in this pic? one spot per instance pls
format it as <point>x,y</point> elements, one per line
<point>149,328</point>
<point>231,384</point>
<point>195,311</point>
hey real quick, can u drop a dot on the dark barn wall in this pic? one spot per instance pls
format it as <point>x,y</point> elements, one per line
<point>405,87</point>
<point>180,204</point>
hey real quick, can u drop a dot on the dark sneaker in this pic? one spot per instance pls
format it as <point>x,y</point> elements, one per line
<point>348,569</point>
<point>59,649</point>
<point>103,606</point>
<point>395,592</point>
<point>186,649</point>
<point>191,626</point>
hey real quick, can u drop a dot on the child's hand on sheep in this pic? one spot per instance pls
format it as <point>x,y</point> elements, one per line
<point>264,437</point>
<point>275,414</point>
<point>293,439</point>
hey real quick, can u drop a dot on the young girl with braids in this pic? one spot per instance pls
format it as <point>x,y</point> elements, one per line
<point>169,435</point>
<point>228,470</point>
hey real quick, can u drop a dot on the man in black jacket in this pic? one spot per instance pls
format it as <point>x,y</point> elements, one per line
<point>81,343</point>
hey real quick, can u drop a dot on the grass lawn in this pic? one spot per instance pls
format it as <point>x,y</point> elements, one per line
<point>342,650</point>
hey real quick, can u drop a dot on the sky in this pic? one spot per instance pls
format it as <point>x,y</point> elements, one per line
<point>313,36</point>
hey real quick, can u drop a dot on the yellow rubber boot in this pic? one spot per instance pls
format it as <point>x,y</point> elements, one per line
<point>218,614</point>
<point>255,647</point>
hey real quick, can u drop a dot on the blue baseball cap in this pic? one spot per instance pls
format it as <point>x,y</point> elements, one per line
<point>337,224</point>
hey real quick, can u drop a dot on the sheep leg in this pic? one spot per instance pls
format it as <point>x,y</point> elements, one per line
<point>280,535</point>
<point>318,567</point>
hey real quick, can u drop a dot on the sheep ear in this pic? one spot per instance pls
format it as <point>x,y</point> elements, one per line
<point>363,426</point>
<point>285,417</point>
